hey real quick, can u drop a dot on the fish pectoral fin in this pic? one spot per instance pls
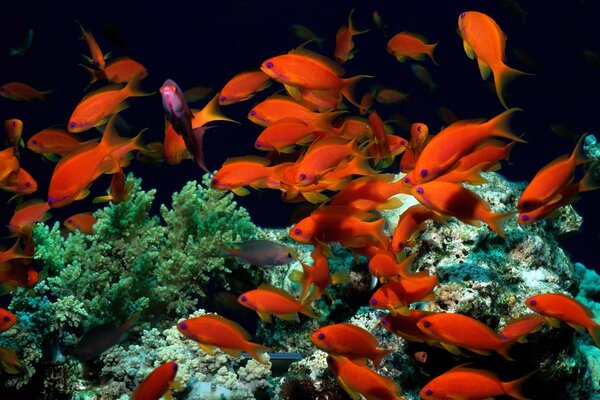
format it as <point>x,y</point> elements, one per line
<point>354,395</point>
<point>522,339</point>
<point>360,360</point>
<point>288,316</point>
<point>484,69</point>
<point>207,348</point>
<point>451,348</point>
<point>481,352</point>
<point>553,322</point>
<point>232,352</point>
<point>577,327</point>
<point>468,50</point>
<point>168,395</point>
<point>265,316</point>
<point>83,194</point>
<point>241,191</point>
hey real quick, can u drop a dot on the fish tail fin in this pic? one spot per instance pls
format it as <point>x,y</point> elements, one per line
<point>212,112</point>
<point>227,251</point>
<point>499,125</point>
<point>504,348</point>
<point>513,388</point>
<point>307,310</point>
<point>380,354</point>
<point>430,50</point>
<point>378,232</point>
<point>594,331</point>
<point>133,87</point>
<point>351,26</point>
<point>578,156</point>
<point>502,76</point>
<point>498,222</point>
<point>588,182</point>
<point>258,352</point>
<point>93,73</point>
<point>198,154</point>
<point>349,85</point>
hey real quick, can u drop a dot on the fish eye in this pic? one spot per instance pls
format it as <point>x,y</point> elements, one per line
<point>175,367</point>
<point>407,180</point>
<point>72,125</point>
<point>532,302</point>
<point>297,231</point>
<point>321,336</point>
<point>329,360</point>
<point>428,392</point>
<point>6,318</point>
<point>289,255</point>
<point>374,302</point>
<point>34,141</point>
<point>14,123</point>
<point>257,144</point>
<point>426,324</point>
<point>462,15</point>
<point>524,217</point>
<point>50,200</point>
<point>244,298</point>
<point>420,190</point>
<point>302,177</point>
<point>403,142</point>
<point>183,325</point>
<point>222,98</point>
<point>27,184</point>
<point>269,64</point>
<point>385,320</point>
<point>423,172</point>
<point>97,63</point>
<point>252,113</point>
<point>503,337</point>
<point>419,128</point>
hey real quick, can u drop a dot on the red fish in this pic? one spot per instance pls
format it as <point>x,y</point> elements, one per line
<point>9,361</point>
<point>277,107</point>
<point>157,383</point>
<point>97,57</point>
<point>483,39</point>
<point>405,326</point>
<point>14,252</point>
<point>7,319</point>
<point>357,380</point>
<point>212,331</point>
<point>557,306</point>
<point>384,266</point>
<point>20,91</point>
<point>349,341</point>
<point>14,133</point>
<point>471,384</point>
<point>82,222</point>
<point>238,172</point>
<point>396,296</point>
<point>23,184</point>
<point>17,275</point>
<point>121,70</point>
<point>27,214</point>
<point>520,327</point>
<point>410,223</point>
<point>410,45</point>
<point>52,142</point>
<point>243,86</point>
<point>371,192</point>
<point>344,43</point>
<point>267,300</point>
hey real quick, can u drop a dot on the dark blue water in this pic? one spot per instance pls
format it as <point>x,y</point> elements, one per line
<point>205,43</point>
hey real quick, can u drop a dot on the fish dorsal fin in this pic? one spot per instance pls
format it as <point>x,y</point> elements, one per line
<point>29,203</point>
<point>108,88</point>
<point>416,36</point>
<point>332,65</point>
<point>251,159</point>
<point>274,289</point>
<point>232,324</point>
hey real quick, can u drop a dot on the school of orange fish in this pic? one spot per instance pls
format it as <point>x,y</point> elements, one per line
<point>333,159</point>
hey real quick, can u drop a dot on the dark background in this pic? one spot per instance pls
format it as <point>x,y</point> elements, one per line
<point>205,43</point>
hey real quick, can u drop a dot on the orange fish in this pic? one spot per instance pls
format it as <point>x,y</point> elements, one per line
<point>157,383</point>
<point>20,91</point>
<point>278,107</point>
<point>390,96</point>
<point>349,341</point>
<point>74,174</point>
<point>243,86</point>
<point>371,192</point>
<point>52,142</point>
<point>82,222</point>
<point>267,300</point>
<point>550,181</point>
<point>344,43</point>
<point>357,380</point>
<point>9,361</point>
<point>451,199</point>
<point>366,103</point>
<point>7,319</point>
<point>23,184</point>
<point>320,100</point>
<point>323,156</point>
<point>14,252</point>
<point>211,331</point>
<point>354,128</point>
<point>9,166</point>
<point>14,133</point>
<point>518,328</point>
<point>405,326</point>
<point>309,70</point>
<point>318,276</point>
<point>471,384</point>
<point>238,172</point>
<point>27,214</point>
<point>96,108</point>
<point>457,330</point>
<point>119,190</point>
<point>384,266</point>
<point>396,296</point>
<point>410,223</point>
<point>121,70</point>
<point>483,39</point>
<point>557,306</point>
<point>174,148</point>
<point>444,150</point>
<point>342,224</point>
<point>410,45</point>
<point>17,275</point>
<point>97,57</point>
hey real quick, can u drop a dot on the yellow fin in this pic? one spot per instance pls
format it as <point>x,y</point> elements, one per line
<point>232,352</point>
<point>451,348</point>
<point>265,316</point>
<point>468,50</point>
<point>207,348</point>
<point>241,191</point>
<point>484,69</point>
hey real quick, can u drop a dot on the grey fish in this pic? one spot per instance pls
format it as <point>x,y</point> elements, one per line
<point>261,252</point>
<point>101,338</point>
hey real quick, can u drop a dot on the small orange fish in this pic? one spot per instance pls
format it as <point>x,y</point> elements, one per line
<point>344,43</point>
<point>267,300</point>
<point>174,148</point>
<point>390,96</point>
<point>97,57</point>
<point>14,252</point>
<point>96,108</point>
<point>14,133</point>
<point>551,180</point>
<point>20,91</point>
<point>557,306</point>
<point>349,341</point>
<point>520,327</point>
<point>17,275</point>
<point>357,380</point>
<point>22,185</point>
<point>451,199</point>
<point>121,70</point>
<point>52,142</point>
<point>384,267</point>
<point>483,38</point>
<point>27,214</point>
<point>243,86</point>
<point>410,223</point>
<point>82,222</point>
<point>405,326</point>
<point>7,319</point>
<point>9,361</point>
<point>371,192</point>
<point>9,166</point>
<point>211,331</point>
<point>323,156</point>
<point>366,103</point>
<point>410,45</point>
<point>119,190</point>
<point>457,330</point>
<point>342,224</point>
<point>397,296</point>
<point>278,107</point>
<point>471,384</point>
<point>309,70</point>
<point>157,383</point>
<point>238,172</point>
